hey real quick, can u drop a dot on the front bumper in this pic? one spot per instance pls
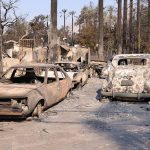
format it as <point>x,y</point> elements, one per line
<point>9,111</point>
<point>138,96</point>
<point>6,112</point>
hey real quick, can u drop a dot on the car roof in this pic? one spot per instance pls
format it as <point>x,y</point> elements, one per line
<point>75,63</point>
<point>28,65</point>
<point>132,56</point>
<point>116,58</point>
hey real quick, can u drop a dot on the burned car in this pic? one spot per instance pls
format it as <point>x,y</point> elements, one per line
<point>96,68</point>
<point>30,89</point>
<point>128,78</point>
<point>78,72</point>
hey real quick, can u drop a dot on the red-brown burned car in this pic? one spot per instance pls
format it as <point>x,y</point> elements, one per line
<point>30,89</point>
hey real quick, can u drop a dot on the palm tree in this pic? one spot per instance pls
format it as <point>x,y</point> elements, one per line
<point>64,13</point>
<point>101,34</point>
<point>125,26</point>
<point>72,13</point>
<point>119,27</point>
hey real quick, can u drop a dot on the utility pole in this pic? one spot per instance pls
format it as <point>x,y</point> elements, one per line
<point>72,13</point>
<point>64,12</point>
<point>1,39</point>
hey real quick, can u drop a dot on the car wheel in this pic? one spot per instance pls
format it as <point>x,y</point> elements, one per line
<point>79,86</point>
<point>86,81</point>
<point>69,94</point>
<point>38,110</point>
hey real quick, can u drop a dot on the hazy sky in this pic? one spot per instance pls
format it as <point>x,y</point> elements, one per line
<point>36,7</point>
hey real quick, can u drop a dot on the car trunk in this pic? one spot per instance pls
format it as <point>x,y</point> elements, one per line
<point>129,79</point>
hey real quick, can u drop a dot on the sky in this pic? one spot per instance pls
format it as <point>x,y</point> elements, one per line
<point>31,8</point>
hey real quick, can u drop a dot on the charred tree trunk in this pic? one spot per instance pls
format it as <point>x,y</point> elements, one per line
<point>101,30</point>
<point>138,26</point>
<point>131,28</point>
<point>119,27</point>
<point>1,40</point>
<point>53,32</point>
<point>149,21</point>
<point>125,26</point>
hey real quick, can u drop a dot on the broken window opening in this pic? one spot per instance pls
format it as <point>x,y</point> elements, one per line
<point>68,67</point>
<point>51,75</point>
<point>60,74</point>
<point>132,61</point>
<point>25,75</point>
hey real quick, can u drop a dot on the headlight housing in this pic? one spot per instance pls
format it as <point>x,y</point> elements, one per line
<point>20,103</point>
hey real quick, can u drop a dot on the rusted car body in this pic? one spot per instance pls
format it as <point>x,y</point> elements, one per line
<point>128,77</point>
<point>78,72</point>
<point>30,89</point>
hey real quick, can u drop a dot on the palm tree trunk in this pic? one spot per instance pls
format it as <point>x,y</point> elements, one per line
<point>138,27</point>
<point>149,21</point>
<point>119,27</point>
<point>53,32</point>
<point>1,40</point>
<point>125,26</point>
<point>131,28</point>
<point>64,13</point>
<point>101,30</point>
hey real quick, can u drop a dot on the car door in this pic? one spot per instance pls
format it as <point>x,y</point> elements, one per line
<point>52,87</point>
<point>65,82</point>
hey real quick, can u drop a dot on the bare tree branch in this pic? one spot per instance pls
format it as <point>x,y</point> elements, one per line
<point>8,10</point>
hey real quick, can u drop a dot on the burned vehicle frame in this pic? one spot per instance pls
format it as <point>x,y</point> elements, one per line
<point>96,68</point>
<point>27,90</point>
<point>78,72</point>
<point>128,78</point>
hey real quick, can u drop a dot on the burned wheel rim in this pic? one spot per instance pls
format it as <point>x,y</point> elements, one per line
<point>68,95</point>
<point>79,86</point>
<point>38,110</point>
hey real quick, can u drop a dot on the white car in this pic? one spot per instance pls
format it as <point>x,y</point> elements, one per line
<point>128,77</point>
<point>78,72</point>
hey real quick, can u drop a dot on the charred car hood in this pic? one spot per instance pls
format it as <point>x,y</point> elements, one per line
<point>15,90</point>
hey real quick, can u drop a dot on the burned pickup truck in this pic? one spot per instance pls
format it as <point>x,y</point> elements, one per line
<point>78,72</point>
<point>128,78</point>
<point>30,89</point>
